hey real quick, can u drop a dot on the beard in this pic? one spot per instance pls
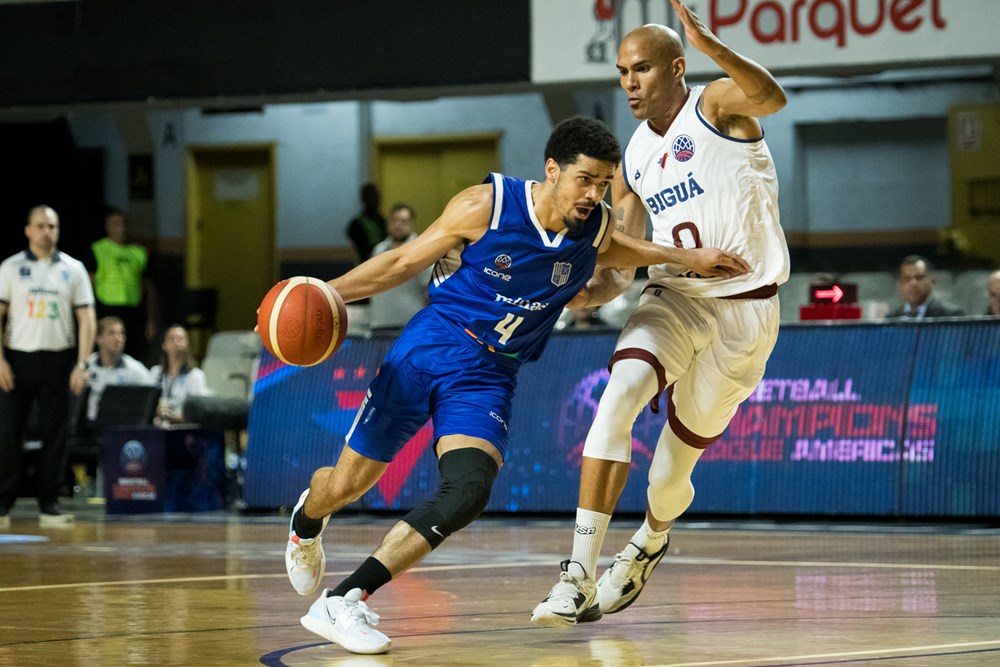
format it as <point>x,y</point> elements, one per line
<point>575,228</point>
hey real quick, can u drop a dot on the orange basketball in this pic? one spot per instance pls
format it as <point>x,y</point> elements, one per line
<point>302,321</point>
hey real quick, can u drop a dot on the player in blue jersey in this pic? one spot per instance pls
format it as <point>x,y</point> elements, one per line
<point>509,255</point>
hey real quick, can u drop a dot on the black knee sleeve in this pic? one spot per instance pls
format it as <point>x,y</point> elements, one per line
<point>466,481</point>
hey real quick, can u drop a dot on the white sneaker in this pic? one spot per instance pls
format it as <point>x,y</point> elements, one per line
<point>346,621</point>
<point>571,601</point>
<point>621,583</point>
<point>305,561</point>
<point>50,516</point>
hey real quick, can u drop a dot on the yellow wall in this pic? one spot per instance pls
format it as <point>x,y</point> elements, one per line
<point>974,147</point>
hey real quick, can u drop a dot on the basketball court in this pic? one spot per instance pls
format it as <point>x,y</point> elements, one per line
<point>210,589</point>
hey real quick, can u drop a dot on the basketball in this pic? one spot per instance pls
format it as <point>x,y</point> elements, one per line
<point>302,321</point>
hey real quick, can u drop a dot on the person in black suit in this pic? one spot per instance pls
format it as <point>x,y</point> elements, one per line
<point>915,281</point>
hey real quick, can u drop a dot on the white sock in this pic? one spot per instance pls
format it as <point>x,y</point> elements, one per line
<point>588,536</point>
<point>649,540</point>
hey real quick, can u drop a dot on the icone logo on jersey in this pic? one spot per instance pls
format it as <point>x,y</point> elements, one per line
<point>683,148</point>
<point>502,262</point>
<point>496,274</point>
<point>499,419</point>
<point>674,194</point>
<point>662,161</point>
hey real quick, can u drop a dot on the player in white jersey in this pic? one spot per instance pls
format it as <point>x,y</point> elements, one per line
<point>699,167</point>
<point>48,304</point>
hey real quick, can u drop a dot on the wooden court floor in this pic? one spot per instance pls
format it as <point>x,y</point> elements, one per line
<point>211,590</point>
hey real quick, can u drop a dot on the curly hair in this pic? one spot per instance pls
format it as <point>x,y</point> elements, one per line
<point>578,136</point>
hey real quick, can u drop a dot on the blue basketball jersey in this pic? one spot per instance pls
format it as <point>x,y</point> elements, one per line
<point>508,288</point>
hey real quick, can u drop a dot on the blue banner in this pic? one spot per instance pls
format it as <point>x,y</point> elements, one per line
<point>852,419</point>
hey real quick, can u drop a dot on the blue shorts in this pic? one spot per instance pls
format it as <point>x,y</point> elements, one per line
<point>431,372</point>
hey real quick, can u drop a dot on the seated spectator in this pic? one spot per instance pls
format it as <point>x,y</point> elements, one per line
<point>915,282</point>
<point>390,311</point>
<point>993,293</point>
<point>110,365</point>
<point>177,375</point>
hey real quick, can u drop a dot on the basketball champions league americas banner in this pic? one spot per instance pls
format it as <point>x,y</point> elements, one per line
<point>577,40</point>
<point>895,420</point>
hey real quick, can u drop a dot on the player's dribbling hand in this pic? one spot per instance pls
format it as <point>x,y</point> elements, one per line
<point>715,263</point>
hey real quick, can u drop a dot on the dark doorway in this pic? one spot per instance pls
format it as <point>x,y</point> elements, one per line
<point>42,165</point>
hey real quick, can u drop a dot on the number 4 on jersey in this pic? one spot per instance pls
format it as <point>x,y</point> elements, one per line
<point>506,327</point>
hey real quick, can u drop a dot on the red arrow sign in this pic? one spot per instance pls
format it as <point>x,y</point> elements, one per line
<point>835,294</point>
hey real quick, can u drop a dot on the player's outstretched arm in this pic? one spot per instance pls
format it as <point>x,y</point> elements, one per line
<point>630,219</point>
<point>706,262</point>
<point>750,89</point>
<point>464,219</point>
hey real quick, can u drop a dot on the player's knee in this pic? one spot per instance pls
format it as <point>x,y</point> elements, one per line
<point>660,477</point>
<point>670,501</point>
<point>467,477</point>
<point>610,437</point>
<point>609,445</point>
<point>624,395</point>
<point>666,482</point>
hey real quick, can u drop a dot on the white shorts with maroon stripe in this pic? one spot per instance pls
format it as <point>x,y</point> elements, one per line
<point>714,349</point>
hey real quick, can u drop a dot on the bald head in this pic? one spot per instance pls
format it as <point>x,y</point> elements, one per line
<point>658,41</point>
<point>42,231</point>
<point>42,211</point>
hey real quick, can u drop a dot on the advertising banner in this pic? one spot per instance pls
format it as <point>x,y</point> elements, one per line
<point>577,40</point>
<point>853,419</point>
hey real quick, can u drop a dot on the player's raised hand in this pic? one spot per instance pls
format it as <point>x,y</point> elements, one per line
<point>697,33</point>
<point>715,263</point>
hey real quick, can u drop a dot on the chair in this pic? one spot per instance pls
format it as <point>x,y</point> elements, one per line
<point>127,405</point>
<point>120,405</point>
<point>230,366</point>
<point>230,363</point>
<point>970,290</point>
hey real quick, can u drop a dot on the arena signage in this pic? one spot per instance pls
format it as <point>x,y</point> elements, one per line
<point>576,40</point>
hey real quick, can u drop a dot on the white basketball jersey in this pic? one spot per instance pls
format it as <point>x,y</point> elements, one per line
<point>704,189</point>
<point>41,297</point>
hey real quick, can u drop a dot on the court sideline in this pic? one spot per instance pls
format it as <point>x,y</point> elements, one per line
<point>210,589</point>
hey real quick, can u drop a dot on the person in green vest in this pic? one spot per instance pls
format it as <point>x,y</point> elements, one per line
<point>118,270</point>
<point>368,228</point>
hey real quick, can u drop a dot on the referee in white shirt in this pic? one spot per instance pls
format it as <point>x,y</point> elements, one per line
<point>47,313</point>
